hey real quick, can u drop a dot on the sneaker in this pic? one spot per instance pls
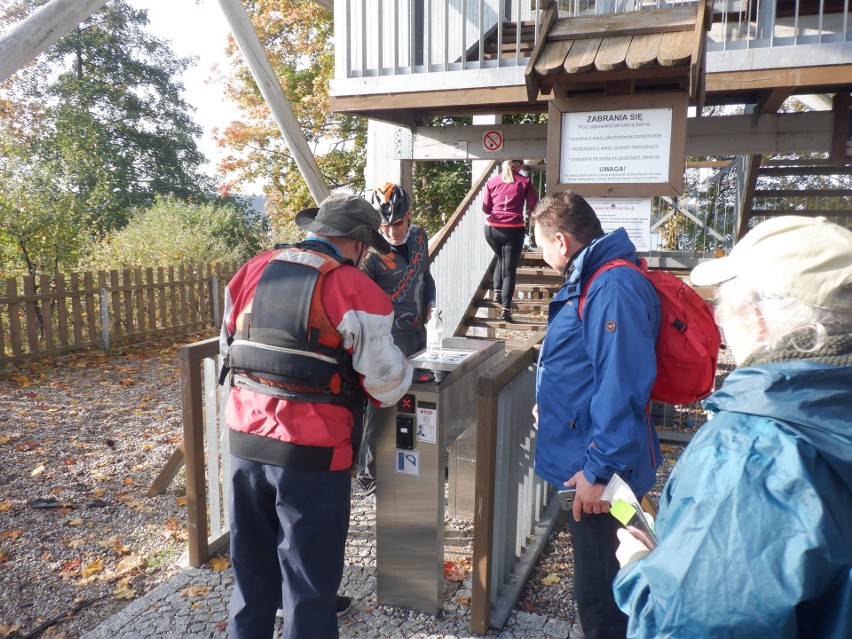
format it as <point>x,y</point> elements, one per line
<point>343,605</point>
<point>505,315</point>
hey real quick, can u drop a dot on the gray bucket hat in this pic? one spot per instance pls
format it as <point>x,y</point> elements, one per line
<point>345,215</point>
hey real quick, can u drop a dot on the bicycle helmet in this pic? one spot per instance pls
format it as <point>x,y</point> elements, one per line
<point>391,201</point>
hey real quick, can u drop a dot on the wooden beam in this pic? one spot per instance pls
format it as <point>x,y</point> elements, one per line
<point>264,75</point>
<point>803,212</point>
<point>840,144</point>
<point>804,193</point>
<point>451,100</point>
<point>807,132</point>
<point>530,77</point>
<point>772,99</point>
<point>42,28</point>
<point>797,79</point>
<point>806,170</point>
<point>747,181</point>
<point>771,134</point>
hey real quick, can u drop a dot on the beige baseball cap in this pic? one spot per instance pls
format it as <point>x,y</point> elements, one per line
<point>808,259</point>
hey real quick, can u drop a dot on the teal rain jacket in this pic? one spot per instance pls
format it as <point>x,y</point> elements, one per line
<point>755,523</point>
<point>595,375</point>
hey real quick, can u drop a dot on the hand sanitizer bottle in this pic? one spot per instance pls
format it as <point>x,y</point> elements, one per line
<point>434,335</point>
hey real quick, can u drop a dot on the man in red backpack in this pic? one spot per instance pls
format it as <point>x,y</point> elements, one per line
<point>593,385</point>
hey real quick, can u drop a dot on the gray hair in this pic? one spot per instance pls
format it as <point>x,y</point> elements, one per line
<point>783,316</point>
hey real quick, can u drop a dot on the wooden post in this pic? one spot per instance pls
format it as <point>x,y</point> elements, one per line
<point>264,75</point>
<point>42,28</point>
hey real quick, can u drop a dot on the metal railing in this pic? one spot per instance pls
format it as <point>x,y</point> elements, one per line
<point>460,255</point>
<point>396,42</point>
<point>413,37</point>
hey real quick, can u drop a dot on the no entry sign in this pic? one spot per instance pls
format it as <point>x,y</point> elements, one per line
<point>492,140</point>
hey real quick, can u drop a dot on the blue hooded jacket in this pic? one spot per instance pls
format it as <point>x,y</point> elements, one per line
<point>755,523</point>
<point>595,375</point>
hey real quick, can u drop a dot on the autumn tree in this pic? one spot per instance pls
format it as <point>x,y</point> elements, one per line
<point>297,36</point>
<point>101,123</point>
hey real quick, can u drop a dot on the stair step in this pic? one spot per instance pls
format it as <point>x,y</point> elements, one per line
<point>520,324</point>
<point>522,305</point>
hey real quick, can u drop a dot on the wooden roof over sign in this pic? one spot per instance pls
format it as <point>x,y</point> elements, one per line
<point>655,49</point>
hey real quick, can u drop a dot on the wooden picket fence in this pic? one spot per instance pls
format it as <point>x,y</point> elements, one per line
<point>51,315</point>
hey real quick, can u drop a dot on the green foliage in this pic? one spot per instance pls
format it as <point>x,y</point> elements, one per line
<point>172,231</point>
<point>98,126</point>
<point>439,187</point>
<point>42,226</point>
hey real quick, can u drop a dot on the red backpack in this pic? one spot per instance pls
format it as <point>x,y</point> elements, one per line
<point>688,344</point>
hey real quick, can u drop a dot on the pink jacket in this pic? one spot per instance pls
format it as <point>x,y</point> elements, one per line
<point>504,203</point>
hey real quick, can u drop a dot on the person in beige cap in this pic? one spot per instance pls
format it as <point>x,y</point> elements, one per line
<point>755,523</point>
<point>307,339</point>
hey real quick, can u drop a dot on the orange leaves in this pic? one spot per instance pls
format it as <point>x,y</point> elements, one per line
<point>12,534</point>
<point>70,568</point>
<point>5,505</point>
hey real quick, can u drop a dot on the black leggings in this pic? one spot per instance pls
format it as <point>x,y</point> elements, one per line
<point>507,244</point>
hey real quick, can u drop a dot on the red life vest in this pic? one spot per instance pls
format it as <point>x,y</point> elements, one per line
<point>285,346</point>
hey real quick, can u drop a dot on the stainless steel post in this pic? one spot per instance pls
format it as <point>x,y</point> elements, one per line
<point>411,461</point>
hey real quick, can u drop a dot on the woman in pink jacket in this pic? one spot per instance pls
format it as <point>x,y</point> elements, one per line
<point>505,197</point>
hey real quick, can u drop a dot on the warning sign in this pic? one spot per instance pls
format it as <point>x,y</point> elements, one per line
<point>492,140</point>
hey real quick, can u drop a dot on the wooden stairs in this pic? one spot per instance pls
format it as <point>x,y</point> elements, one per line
<point>510,44</point>
<point>536,283</point>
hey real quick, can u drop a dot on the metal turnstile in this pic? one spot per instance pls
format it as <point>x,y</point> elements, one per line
<point>413,439</point>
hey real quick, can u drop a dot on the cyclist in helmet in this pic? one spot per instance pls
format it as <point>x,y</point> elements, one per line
<point>404,275</point>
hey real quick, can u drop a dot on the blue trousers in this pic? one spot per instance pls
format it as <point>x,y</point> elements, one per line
<point>594,541</point>
<point>288,535</point>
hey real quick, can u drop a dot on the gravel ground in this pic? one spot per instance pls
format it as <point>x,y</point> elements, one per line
<point>82,440</point>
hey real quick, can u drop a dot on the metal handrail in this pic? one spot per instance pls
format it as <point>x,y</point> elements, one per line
<point>460,256</point>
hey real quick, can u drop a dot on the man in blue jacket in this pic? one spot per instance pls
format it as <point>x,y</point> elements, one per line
<point>592,390</point>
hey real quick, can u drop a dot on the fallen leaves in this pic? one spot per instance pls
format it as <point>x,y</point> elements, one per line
<point>38,470</point>
<point>92,568</point>
<point>551,579</point>
<point>12,534</point>
<point>195,591</point>
<point>219,563</point>
<point>456,570</point>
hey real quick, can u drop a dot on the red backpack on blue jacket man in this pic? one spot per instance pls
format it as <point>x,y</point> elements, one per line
<point>593,385</point>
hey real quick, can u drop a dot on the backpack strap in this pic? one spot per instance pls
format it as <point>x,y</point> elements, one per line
<point>619,261</point>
